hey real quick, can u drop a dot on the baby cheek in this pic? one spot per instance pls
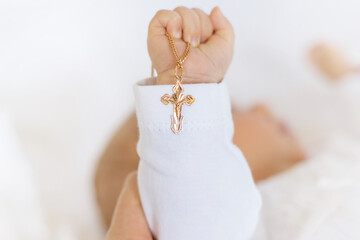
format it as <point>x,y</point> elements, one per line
<point>255,134</point>
<point>272,140</point>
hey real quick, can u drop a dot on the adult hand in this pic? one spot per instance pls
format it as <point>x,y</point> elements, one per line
<point>129,221</point>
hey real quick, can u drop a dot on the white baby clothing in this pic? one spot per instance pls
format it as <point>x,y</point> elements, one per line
<point>195,185</point>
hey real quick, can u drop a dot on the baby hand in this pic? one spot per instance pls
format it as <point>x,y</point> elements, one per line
<point>211,37</point>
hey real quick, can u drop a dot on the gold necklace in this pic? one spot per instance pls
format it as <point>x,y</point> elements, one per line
<point>178,98</point>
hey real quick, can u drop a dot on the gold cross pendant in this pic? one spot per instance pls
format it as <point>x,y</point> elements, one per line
<point>177,99</point>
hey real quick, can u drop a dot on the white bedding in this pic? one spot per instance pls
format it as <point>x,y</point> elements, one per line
<point>317,199</point>
<point>21,216</point>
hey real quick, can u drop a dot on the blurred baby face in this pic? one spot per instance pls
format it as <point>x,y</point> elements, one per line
<point>267,143</point>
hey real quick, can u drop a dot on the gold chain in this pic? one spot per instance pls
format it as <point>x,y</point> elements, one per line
<point>178,98</point>
<point>179,60</point>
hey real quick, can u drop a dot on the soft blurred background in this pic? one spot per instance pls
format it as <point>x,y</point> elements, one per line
<point>66,74</point>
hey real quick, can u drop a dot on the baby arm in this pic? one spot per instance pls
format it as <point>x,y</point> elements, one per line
<point>197,184</point>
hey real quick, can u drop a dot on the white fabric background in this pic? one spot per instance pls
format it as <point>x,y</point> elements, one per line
<point>21,215</point>
<point>325,202</point>
<point>67,70</point>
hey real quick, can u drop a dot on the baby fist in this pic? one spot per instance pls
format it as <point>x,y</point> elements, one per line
<point>211,37</point>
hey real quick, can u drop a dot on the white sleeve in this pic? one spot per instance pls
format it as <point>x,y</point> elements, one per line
<point>194,185</point>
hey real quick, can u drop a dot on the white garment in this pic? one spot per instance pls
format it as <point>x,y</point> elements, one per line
<point>197,184</point>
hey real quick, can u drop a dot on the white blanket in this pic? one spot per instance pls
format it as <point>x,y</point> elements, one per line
<point>21,215</point>
<point>317,199</point>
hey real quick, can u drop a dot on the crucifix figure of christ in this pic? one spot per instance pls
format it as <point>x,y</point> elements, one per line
<point>177,99</point>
